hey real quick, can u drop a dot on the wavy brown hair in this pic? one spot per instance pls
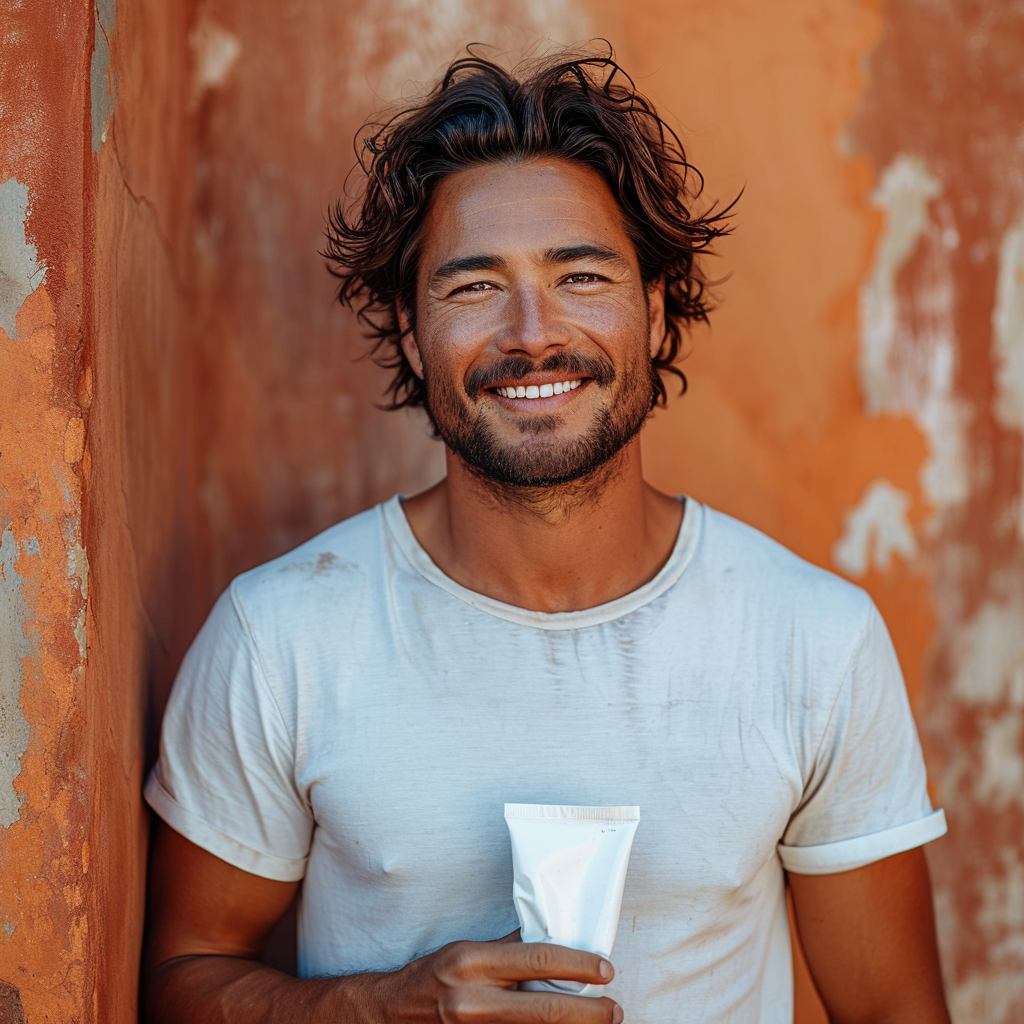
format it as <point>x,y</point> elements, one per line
<point>578,107</point>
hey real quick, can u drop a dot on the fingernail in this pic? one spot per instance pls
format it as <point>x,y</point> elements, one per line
<point>605,969</point>
<point>617,1014</point>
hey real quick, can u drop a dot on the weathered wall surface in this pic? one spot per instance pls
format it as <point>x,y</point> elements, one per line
<point>92,338</point>
<point>180,400</point>
<point>943,343</point>
<point>144,533</point>
<point>47,896</point>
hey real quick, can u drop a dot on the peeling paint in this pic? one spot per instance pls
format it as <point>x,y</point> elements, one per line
<point>903,193</point>
<point>944,419</point>
<point>910,369</point>
<point>78,572</point>
<point>1000,781</point>
<point>14,647</point>
<point>20,271</point>
<point>992,992</point>
<point>875,531</point>
<point>422,39</point>
<point>74,440</point>
<point>990,656</point>
<point>983,997</point>
<point>102,87</point>
<point>70,733</point>
<point>215,51</point>
<point>1002,906</point>
<point>982,783</point>
<point>1008,338</point>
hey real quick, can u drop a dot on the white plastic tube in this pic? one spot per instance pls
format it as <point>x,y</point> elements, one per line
<point>569,867</point>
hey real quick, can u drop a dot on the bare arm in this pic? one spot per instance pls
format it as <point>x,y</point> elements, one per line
<point>869,938</point>
<point>208,923</point>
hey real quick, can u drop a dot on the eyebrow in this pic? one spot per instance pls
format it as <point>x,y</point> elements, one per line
<point>563,254</point>
<point>465,264</point>
<point>585,251</point>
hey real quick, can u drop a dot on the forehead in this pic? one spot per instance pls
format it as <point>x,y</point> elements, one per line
<point>523,208</point>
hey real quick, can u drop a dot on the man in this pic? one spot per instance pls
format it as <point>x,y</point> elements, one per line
<point>542,626</point>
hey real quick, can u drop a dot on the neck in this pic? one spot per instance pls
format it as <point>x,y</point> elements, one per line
<point>552,549</point>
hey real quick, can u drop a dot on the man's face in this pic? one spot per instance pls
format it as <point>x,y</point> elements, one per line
<point>533,326</point>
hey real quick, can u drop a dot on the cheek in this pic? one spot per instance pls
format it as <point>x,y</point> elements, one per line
<point>617,323</point>
<point>459,323</point>
<point>454,336</point>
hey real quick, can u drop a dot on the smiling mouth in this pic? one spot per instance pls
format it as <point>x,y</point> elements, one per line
<point>539,390</point>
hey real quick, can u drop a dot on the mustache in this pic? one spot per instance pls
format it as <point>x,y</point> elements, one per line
<point>569,364</point>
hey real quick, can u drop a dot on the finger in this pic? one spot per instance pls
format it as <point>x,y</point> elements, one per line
<point>537,961</point>
<point>495,1004</point>
<point>511,937</point>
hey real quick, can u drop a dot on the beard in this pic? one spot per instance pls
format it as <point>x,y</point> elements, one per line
<point>539,459</point>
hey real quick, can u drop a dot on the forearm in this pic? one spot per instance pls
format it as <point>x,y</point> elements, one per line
<point>232,990</point>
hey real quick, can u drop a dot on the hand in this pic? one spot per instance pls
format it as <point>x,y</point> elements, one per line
<point>474,983</point>
<point>209,921</point>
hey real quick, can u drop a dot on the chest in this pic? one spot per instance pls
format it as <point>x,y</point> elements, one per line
<point>408,765</point>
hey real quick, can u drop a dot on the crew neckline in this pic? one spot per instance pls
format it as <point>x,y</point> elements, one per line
<point>417,557</point>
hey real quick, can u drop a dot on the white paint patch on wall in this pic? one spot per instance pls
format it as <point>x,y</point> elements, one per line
<point>907,366</point>
<point>215,51</point>
<point>983,997</point>
<point>406,42</point>
<point>989,677</point>
<point>943,418</point>
<point>21,273</point>
<point>1001,915</point>
<point>78,573</point>
<point>875,530</point>
<point>989,652</point>
<point>992,993</point>
<point>1000,781</point>
<point>903,193</point>
<point>1008,339</point>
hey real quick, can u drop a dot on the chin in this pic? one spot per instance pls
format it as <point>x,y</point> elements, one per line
<point>536,466</point>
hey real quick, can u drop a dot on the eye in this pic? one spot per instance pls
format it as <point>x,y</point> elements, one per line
<point>583,277</point>
<point>476,288</point>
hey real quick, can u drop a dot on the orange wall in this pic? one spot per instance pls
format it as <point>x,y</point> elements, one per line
<point>48,846</point>
<point>179,400</point>
<point>93,483</point>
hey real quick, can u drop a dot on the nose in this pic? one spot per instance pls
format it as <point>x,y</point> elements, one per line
<point>533,325</point>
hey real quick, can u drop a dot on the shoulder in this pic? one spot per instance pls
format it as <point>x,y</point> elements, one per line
<point>747,562</point>
<point>330,570</point>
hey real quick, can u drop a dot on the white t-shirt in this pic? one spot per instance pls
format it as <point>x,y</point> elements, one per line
<point>351,716</point>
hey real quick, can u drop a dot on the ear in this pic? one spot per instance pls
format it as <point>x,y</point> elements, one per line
<point>409,346</point>
<point>656,311</point>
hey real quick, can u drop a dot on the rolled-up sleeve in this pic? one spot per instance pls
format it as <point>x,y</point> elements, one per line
<point>225,775</point>
<point>866,795</point>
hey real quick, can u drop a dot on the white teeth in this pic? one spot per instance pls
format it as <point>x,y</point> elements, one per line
<point>539,391</point>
